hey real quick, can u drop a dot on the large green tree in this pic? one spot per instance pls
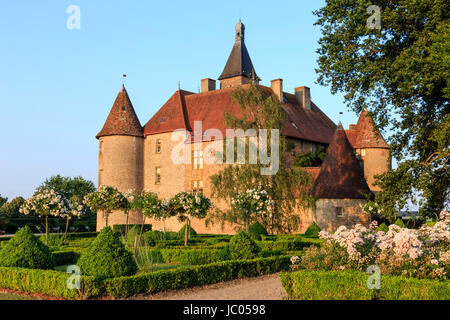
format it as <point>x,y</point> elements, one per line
<point>3,200</point>
<point>287,187</point>
<point>400,73</point>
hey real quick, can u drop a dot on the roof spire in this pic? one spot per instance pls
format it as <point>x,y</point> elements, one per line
<point>240,31</point>
<point>239,62</point>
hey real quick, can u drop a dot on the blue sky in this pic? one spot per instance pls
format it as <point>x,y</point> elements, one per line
<point>58,85</point>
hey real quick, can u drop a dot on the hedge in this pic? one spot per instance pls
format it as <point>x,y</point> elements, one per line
<point>289,245</point>
<point>185,277</point>
<point>61,258</point>
<point>120,228</point>
<point>352,285</point>
<point>191,257</point>
<point>49,282</point>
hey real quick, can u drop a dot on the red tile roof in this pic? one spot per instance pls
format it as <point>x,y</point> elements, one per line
<point>340,175</point>
<point>364,136</point>
<point>122,119</point>
<point>184,107</point>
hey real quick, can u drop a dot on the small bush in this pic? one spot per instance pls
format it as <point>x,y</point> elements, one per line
<point>257,230</point>
<point>107,257</point>
<point>400,223</point>
<point>383,227</point>
<point>313,230</point>
<point>243,247</point>
<point>182,232</point>
<point>24,250</point>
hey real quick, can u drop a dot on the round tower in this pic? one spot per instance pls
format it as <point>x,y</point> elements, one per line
<point>370,148</point>
<point>121,156</point>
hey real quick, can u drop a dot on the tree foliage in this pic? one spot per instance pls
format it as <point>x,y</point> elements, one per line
<point>287,187</point>
<point>12,208</point>
<point>310,159</point>
<point>400,75</point>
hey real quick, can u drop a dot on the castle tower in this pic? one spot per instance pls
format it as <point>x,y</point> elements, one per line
<point>121,155</point>
<point>340,186</point>
<point>239,68</point>
<point>370,148</point>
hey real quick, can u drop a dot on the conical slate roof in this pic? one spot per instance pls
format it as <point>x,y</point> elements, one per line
<point>239,62</point>
<point>122,119</point>
<point>340,176</point>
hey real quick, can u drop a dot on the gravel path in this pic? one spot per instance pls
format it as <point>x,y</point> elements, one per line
<point>260,288</point>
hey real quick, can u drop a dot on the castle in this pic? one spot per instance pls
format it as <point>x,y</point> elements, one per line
<point>138,157</point>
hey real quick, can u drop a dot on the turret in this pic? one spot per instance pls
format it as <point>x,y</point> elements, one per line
<point>340,187</point>
<point>121,155</point>
<point>370,148</point>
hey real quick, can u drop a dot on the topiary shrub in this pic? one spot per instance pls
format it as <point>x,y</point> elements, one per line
<point>182,232</point>
<point>107,257</point>
<point>400,223</point>
<point>383,227</point>
<point>257,230</point>
<point>243,247</point>
<point>24,250</point>
<point>313,230</point>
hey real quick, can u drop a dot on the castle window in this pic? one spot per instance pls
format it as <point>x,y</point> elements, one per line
<point>339,211</point>
<point>123,108</point>
<point>197,186</point>
<point>363,152</point>
<point>158,175</point>
<point>158,146</point>
<point>197,162</point>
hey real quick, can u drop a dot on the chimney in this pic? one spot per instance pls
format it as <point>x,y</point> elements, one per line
<point>304,97</point>
<point>208,85</point>
<point>277,88</point>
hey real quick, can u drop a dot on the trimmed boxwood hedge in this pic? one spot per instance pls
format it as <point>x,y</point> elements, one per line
<point>352,285</point>
<point>185,277</point>
<point>49,282</point>
<point>289,245</point>
<point>65,257</point>
<point>191,257</point>
<point>54,283</point>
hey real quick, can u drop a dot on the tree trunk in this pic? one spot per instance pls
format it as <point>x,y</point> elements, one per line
<point>126,225</point>
<point>67,227</point>
<point>186,234</point>
<point>189,230</point>
<point>46,230</point>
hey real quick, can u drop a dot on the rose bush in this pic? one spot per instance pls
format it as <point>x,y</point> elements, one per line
<point>422,253</point>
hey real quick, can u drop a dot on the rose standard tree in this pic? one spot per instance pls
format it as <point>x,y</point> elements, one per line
<point>47,202</point>
<point>251,206</point>
<point>150,205</point>
<point>188,205</point>
<point>106,199</point>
